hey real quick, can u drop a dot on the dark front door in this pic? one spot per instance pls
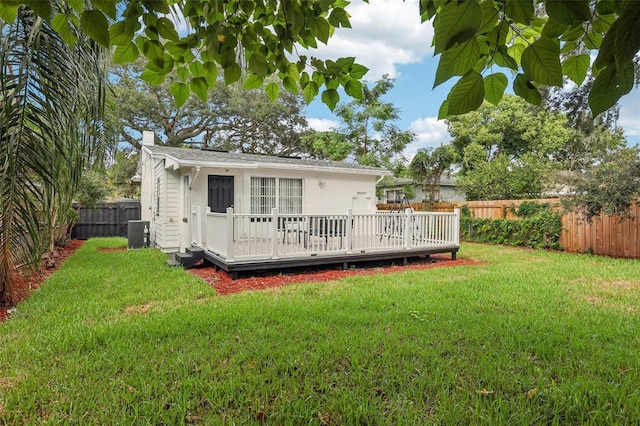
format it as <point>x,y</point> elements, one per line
<point>220,191</point>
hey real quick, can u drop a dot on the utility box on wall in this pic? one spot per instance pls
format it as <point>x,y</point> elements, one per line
<point>138,234</point>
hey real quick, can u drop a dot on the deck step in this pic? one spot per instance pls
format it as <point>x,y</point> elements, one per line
<point>187,260</point>
<point>195,252</point>
<point>173,263</point>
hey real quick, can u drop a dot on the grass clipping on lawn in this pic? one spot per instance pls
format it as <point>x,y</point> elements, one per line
<point>525,337</point>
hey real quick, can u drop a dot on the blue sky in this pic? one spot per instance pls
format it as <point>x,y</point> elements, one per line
<point>388,38</point>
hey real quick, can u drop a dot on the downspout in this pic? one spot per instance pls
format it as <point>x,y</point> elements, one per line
<point>195,175</point>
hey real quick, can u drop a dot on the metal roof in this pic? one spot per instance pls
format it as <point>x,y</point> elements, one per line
<point>211,158</point>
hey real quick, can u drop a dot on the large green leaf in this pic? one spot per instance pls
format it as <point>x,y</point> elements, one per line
<point>120,34</point>
<point>180,92</point>
<point>609,86</point>
<point>358,71</point>
<point>42,8</point>
<point>290,85</point>
<point>167,30</point>
<point>576,67</point>
<point>353,88</point>
<point>106,6</point>
<point>126,54</point>
<point>494,87</point>
<point>331,98</point>
<point>339,18</point>
<point>526,90</point>
<point>456,23</point>
<point>153,77</point>
<point>258,64</point>
<point>310,91</point>
<point>273,90</point>
<point>520,11</point>
<point>232,74</point>
<point>8,12</point>
<point>568,12</point>
<point>95,25</point>
<point>320,29</point>
<point>253,81</point>
<point>60,23</point>
<point>200,87</point>
<point>467,94</point>
<point>541,62</point>
<point>457,60</point>
<point>627,43</point>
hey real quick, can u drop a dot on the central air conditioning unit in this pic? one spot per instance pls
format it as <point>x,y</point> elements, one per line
<point>138,234</point>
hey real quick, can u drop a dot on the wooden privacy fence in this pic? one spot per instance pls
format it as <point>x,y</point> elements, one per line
<point>106,220</point>
<point>605,235</point>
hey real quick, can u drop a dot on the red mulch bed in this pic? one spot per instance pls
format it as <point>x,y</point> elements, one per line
<point>223,284</point>
<point>26,284</point>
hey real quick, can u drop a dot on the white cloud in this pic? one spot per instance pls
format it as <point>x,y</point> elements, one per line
<point>384,34</point>
<point>430,132</point>
<point>322,124</point>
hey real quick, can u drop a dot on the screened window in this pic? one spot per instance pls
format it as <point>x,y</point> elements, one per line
<point>269,193</point>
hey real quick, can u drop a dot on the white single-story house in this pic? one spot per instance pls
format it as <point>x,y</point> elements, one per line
<point>247,212</point>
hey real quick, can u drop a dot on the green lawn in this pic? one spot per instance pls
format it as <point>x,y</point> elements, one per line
<point>527,337</point>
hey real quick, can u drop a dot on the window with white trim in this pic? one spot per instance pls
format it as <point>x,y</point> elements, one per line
<point>269,193</point>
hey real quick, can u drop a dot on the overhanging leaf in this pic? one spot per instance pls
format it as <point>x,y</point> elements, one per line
<point>568,12</point>
<point>541,62</point>
<point>609,86</point>
<point>520,10</point>
<point>526,90</point>
<point>457,60</point>
<point>60,24</point>
<point>576,67</point>
<point>273,90</point>
<point>8,12</point>
<point>153,77</point>
<point>467,94</point>
<point>494,87</point>
<point>125,54</point>
<point>310,91</point>
<point>353,88</point>
<point>200,87</point>
<point>330,97</point>
<point>95,25</point>
<point>232,74</point>
<point>180,92</point>
<point>456,23</point>
<point>253,81</point>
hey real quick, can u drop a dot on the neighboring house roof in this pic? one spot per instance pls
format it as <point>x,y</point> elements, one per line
<point>184,157</point>
<point>397,182</point>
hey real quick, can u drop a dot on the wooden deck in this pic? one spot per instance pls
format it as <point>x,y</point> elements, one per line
<point>244,243</point>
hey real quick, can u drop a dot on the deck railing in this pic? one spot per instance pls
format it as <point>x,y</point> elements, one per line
<point>236,236</point>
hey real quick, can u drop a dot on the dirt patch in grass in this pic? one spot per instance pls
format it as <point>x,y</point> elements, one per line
<point>108,249</point>
<point>139,309</point>
<point>223,284</point>
<point>28,283</point>
<point>620,287</point>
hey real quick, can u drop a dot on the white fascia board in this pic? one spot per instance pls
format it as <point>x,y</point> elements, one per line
<point>176,164</point>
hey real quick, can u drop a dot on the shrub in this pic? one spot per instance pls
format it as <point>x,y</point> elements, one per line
<point>537,227</point>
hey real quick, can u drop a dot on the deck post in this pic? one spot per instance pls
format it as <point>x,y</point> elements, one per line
<point>274,233</point>
<point>456,227</point>
<point>229,234</point>
<point>349,232</point>
<point>407,228</point>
